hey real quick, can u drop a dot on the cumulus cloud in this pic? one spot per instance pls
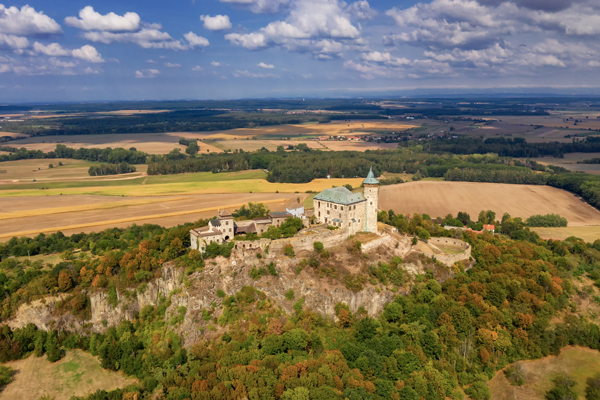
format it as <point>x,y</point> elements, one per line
<point>147,73</point>
<point>248,74</point>
<point>320,27</point>
<point>85,53</point>
<point>361,10</point>
<point>172,65</point>
<point>215,63</point>
<point>198,68</point>
<point>216,23</point>
<point>13,42</point>
<point>90,20</point>
<point>26,22</point>
<point>266,66</point>
<point>261,6</point>
<point>195,40</point>
<point>128,28</point>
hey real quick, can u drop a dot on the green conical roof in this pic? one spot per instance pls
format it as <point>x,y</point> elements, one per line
<point>370,180</point>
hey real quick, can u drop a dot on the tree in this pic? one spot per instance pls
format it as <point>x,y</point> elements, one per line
<point>52,348</point>
<point>592,390</point>
<point>515,374</point>
<point>479,391</point>
<point>192,149</point>
<point>64,281</point>
<point>6,374</point>
<point>563,389</point>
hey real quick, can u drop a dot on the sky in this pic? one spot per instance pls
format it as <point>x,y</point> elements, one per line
<point>107,50</point>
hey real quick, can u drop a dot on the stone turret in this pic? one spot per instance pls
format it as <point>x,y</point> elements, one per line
<point>371,193</point>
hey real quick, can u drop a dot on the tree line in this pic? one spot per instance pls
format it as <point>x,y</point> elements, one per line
<point>111,169</point>
<point>112,156</point>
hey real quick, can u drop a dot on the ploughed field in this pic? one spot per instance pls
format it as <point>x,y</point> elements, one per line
<point>441,198</point>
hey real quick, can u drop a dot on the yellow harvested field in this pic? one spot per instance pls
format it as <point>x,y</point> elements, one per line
<point>578,363</point>
<point>241,186</point>
<point>152,143</point>
<point>40,170</point>
<point>93,217</point>
<point>254,145</point>
<point>77,374</point>
<point>348,145</point>
<point>343,128</point>
<point>11,134</point>
<point>587,233</point>
<point>441,198</point>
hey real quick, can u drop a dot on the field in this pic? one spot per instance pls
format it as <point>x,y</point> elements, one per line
<point>247,139</point>
<point>569,161</point>
<point>85,205</point>
<point>578,362</point>
<point>77,374</point>
<point>151,143</point>
<point>441,198</point>
<point>587,233</point>
<point>345,128</point>
<point>40,171</point>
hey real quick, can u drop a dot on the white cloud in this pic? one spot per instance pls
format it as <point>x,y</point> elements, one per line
<point>248,74</point>
<point>261,6</point>
<point>361,10</point>
<point>593,64</point>
<point>151,62</point>
<point>53,49</point>
<point>172,65</point>
<point>320,27</point>
<point>216,23</point>
<point>215,63</point>
<point>266,66</point>
<point>91,20</point>
<point>198,68</point>
<point>148,38</point>
<point>86,53</point>
<point>13,42</point>
<point>147,73</point>
<point>26,22</point>
<point>195,40</point>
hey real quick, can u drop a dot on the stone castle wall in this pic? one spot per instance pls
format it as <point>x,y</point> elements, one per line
<point>450,259</point>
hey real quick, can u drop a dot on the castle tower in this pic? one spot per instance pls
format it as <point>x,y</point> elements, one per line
<point>371,193</point>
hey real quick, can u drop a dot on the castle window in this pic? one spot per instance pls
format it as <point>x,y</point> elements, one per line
<point>342,207</point>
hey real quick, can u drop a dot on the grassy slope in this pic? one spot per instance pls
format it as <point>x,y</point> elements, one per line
<point>77,374</point>
<point>577,362</point>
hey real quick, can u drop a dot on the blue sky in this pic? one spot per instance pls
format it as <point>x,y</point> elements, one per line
<point>221,49</point>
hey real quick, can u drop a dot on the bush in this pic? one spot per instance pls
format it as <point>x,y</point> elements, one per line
<point>6,374</point>
<point>290,295</point>
<point>548,220</point>
<point>479,391</point>
<point>288,250</point>
<point>220,293</point>
<point>271,268</point>
<point>318,246</point>
<point>515,374</point>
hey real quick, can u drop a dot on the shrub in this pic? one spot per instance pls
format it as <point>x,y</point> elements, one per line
<point>548,220</point>
<point>290,295</point>
<point>515,374</point>
<point>271,268</point>
<point>220,293</point>
<point>6,374</point>
<point>288,250</point>
<point>479,391</point>
<point>318,246</point>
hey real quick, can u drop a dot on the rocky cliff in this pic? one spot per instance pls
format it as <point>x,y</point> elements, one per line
<point>189,295</point>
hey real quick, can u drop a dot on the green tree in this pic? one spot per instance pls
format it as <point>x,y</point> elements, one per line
<point>6,374</point>
<point>479,391</point>
<point>592,390</point>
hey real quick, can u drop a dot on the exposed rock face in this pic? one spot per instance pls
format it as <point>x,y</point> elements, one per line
<point>199,291</point>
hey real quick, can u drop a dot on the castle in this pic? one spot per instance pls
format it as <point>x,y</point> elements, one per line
<point>338,207</point>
